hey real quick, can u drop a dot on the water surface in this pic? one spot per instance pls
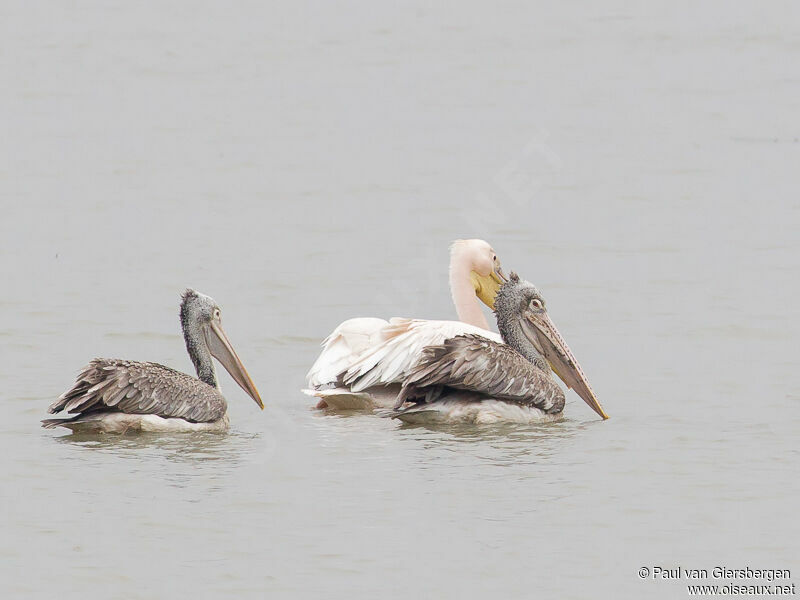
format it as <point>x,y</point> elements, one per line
<point>304,164</point>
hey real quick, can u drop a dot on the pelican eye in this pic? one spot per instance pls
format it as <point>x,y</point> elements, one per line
<point>216,313</point>
<point>537,304</point>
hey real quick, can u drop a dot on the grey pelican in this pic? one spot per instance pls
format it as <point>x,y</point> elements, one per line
<point>114,396</point>
<point>472,378</point>
<point>364,360</point>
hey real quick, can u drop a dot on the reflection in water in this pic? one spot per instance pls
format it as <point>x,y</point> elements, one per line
<point>180,448</point>
<point>342,413</point>
<point>507,443</point>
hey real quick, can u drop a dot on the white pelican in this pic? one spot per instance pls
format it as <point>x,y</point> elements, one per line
<point>114,396</point>
<point>364,360</point>
<point>472,378</point>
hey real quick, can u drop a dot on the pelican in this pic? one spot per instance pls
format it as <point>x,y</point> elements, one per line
<point>113,396</point>
<point>472,378</point>
<point>364,360</point>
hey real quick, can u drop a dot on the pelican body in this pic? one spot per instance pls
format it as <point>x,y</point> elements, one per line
<point>365,360</point>
<point>115,396</point>
<point>472,378</point>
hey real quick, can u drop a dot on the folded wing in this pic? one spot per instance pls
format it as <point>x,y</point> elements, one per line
<point>404,342</point>
<point>140,388</point>
<point>476,364</point>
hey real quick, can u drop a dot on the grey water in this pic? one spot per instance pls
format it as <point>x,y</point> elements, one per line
<point>304,163</point>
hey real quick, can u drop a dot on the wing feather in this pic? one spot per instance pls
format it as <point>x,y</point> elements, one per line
<point>476,364</point>
<point>343,347</point>
<point>141,388</point>
<point>406,339</point>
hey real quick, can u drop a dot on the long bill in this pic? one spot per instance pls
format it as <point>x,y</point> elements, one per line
<point>487,286</point>
<point>221,349</point>
<point>545,336</point>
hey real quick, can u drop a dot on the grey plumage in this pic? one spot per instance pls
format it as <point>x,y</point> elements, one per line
<point>113,395</point>
<point>513,372</point>
<point>145,388</point>
<point>475,364</point>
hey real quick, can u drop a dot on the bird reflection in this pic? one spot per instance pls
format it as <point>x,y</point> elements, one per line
<point>190,448</point>
<point>503,444</point>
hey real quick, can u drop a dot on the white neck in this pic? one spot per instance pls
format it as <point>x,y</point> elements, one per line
<point>464,298</point>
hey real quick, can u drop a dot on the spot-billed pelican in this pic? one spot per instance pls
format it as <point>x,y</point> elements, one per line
<point>472,378</point>
<point>364,360</point>
<point>114,396</point>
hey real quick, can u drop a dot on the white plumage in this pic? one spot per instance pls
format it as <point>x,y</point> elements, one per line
<point>365,360</point>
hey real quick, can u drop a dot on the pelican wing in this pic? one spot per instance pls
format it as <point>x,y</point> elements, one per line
<point>476,364</point>
<point>142,388</point>
<point>343,347</point>
<point>400,347</point>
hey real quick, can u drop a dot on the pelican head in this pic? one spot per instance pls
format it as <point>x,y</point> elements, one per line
<point>201,320</point>
<point>476,260</point>
<point>525,325</point>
